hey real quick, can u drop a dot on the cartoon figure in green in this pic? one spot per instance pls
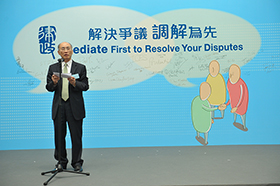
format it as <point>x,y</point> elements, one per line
<point>218,87</point>
<point>201,113</point>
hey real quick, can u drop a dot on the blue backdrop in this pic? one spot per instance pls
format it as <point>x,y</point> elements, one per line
<point>152,112</point>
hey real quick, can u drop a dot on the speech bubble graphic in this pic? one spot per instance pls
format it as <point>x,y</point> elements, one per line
<point>106,58</point>
<point>152,54</point>
<point>124,47</point>
<point>210,35</point>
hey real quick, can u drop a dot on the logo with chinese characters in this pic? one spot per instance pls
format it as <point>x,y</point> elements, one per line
<point>47,36</point>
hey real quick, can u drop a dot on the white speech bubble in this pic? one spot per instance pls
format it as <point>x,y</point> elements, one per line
<point>115,63</point>
<point>108,70</point>
<point>193,62</point>
<point>156,53</point>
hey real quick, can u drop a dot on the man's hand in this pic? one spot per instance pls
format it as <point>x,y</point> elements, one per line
<point>55,79</point>
<point>72,81</point>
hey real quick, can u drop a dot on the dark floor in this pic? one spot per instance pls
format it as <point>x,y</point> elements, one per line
<point>149,166</point>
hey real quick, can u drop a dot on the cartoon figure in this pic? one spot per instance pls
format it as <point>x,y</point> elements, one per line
<point>238,96</point>
<point>201,113</point>
<point>218,87</point>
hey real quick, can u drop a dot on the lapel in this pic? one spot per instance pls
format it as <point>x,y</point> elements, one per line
<point>73,67</point>
<point>58,69</point>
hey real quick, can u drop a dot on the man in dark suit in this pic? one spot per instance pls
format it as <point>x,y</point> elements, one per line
<point>69,97</point>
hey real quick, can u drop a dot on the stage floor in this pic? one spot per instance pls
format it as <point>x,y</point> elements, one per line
<point>149,166</point>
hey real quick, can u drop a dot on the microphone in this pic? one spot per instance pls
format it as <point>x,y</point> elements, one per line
<point>60,60</point>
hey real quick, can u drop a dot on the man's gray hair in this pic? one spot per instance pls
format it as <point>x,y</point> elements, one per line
<point>65,42</point>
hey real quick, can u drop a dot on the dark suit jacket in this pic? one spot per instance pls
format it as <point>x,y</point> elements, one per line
<point>75,93</point>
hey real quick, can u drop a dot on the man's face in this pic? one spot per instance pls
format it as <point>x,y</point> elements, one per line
<point>65,51</point>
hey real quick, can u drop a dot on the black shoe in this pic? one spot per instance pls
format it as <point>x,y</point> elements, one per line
<point>60,166</point>
<point>78,168</point>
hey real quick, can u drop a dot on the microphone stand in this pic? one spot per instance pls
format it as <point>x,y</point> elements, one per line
<point>59,167</point>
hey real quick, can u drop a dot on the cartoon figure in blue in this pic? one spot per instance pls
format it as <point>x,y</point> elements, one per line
<point>201,113</point>
<point>47,36</point>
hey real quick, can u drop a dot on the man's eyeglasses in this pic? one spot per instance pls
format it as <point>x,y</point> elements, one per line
<point>65,48</point>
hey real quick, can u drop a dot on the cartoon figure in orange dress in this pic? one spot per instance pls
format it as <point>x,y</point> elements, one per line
<point>238,96</point>
<point>218,87</point>
<point>201,113</point>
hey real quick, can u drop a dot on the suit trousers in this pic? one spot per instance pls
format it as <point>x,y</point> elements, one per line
<point>60,129</point>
